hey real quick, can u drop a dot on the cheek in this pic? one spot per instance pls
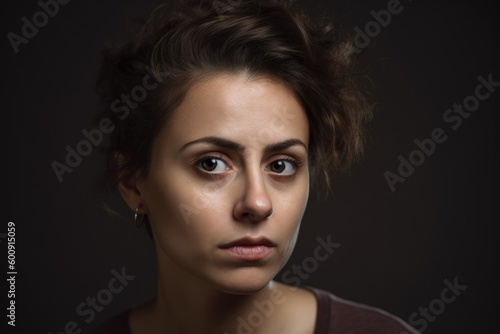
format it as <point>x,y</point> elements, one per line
<point>291,208</point>
<point>291,202</point>
<point>185,216</point>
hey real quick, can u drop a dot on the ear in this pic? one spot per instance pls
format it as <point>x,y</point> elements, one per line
<point>128,188</point>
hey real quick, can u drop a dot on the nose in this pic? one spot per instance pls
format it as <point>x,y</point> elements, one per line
<point>254,203</point>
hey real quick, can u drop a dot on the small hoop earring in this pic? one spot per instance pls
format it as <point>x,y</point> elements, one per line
<point>138,222</point>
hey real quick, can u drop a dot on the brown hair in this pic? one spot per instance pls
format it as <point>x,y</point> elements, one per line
<point>177,47</point>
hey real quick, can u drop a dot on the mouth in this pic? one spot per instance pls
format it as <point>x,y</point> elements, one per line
<point>249,249</point>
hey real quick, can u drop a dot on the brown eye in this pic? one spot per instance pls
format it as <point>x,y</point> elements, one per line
<point>278,166</point>
<point>212,164</point>
<point>209,164</point>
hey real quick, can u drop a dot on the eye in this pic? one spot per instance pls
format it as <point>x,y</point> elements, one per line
<point>212,165</point>
<point>282,167</point>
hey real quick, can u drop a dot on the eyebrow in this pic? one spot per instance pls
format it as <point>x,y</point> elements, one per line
<point>231,145</point>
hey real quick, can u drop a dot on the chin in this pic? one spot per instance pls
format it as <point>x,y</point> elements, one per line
<point>244,281</point>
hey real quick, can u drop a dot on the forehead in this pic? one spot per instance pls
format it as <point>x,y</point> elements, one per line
<point>252,111</point>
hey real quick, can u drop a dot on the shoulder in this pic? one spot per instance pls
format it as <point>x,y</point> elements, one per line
<point>340,316</point>
<point>119,324</point>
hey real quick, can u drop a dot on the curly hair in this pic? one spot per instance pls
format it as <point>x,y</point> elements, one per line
<point>176,47</point>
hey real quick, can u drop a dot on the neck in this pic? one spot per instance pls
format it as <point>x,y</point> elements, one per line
<point>187,304</point>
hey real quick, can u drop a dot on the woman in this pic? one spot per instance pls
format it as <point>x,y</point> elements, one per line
<point>222,115</point>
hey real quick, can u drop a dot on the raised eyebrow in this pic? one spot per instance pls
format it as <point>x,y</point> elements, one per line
<point>221,142</point>
<point>283,145</point>
<point>231,145</point>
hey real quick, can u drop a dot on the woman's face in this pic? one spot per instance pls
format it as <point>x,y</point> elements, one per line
<point>229,182</point>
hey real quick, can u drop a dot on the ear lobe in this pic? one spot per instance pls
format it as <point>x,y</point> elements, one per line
<point>128,187</point>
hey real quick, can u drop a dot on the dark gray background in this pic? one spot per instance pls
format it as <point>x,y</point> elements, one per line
<point>396,248</point>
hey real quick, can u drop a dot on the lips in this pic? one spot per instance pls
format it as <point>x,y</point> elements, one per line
<point>248,241</point>
<point>249,249</point>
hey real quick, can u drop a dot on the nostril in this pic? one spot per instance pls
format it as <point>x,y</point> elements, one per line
<point>255,217</point>
<point>268,214</point>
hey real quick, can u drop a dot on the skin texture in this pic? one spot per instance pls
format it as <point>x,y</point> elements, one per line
<point>202,193</point>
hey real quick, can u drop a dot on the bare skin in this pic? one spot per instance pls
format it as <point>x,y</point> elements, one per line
<point>231,163</point>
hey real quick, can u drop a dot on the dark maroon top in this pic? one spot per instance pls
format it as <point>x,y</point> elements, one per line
<point>335,316</point>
